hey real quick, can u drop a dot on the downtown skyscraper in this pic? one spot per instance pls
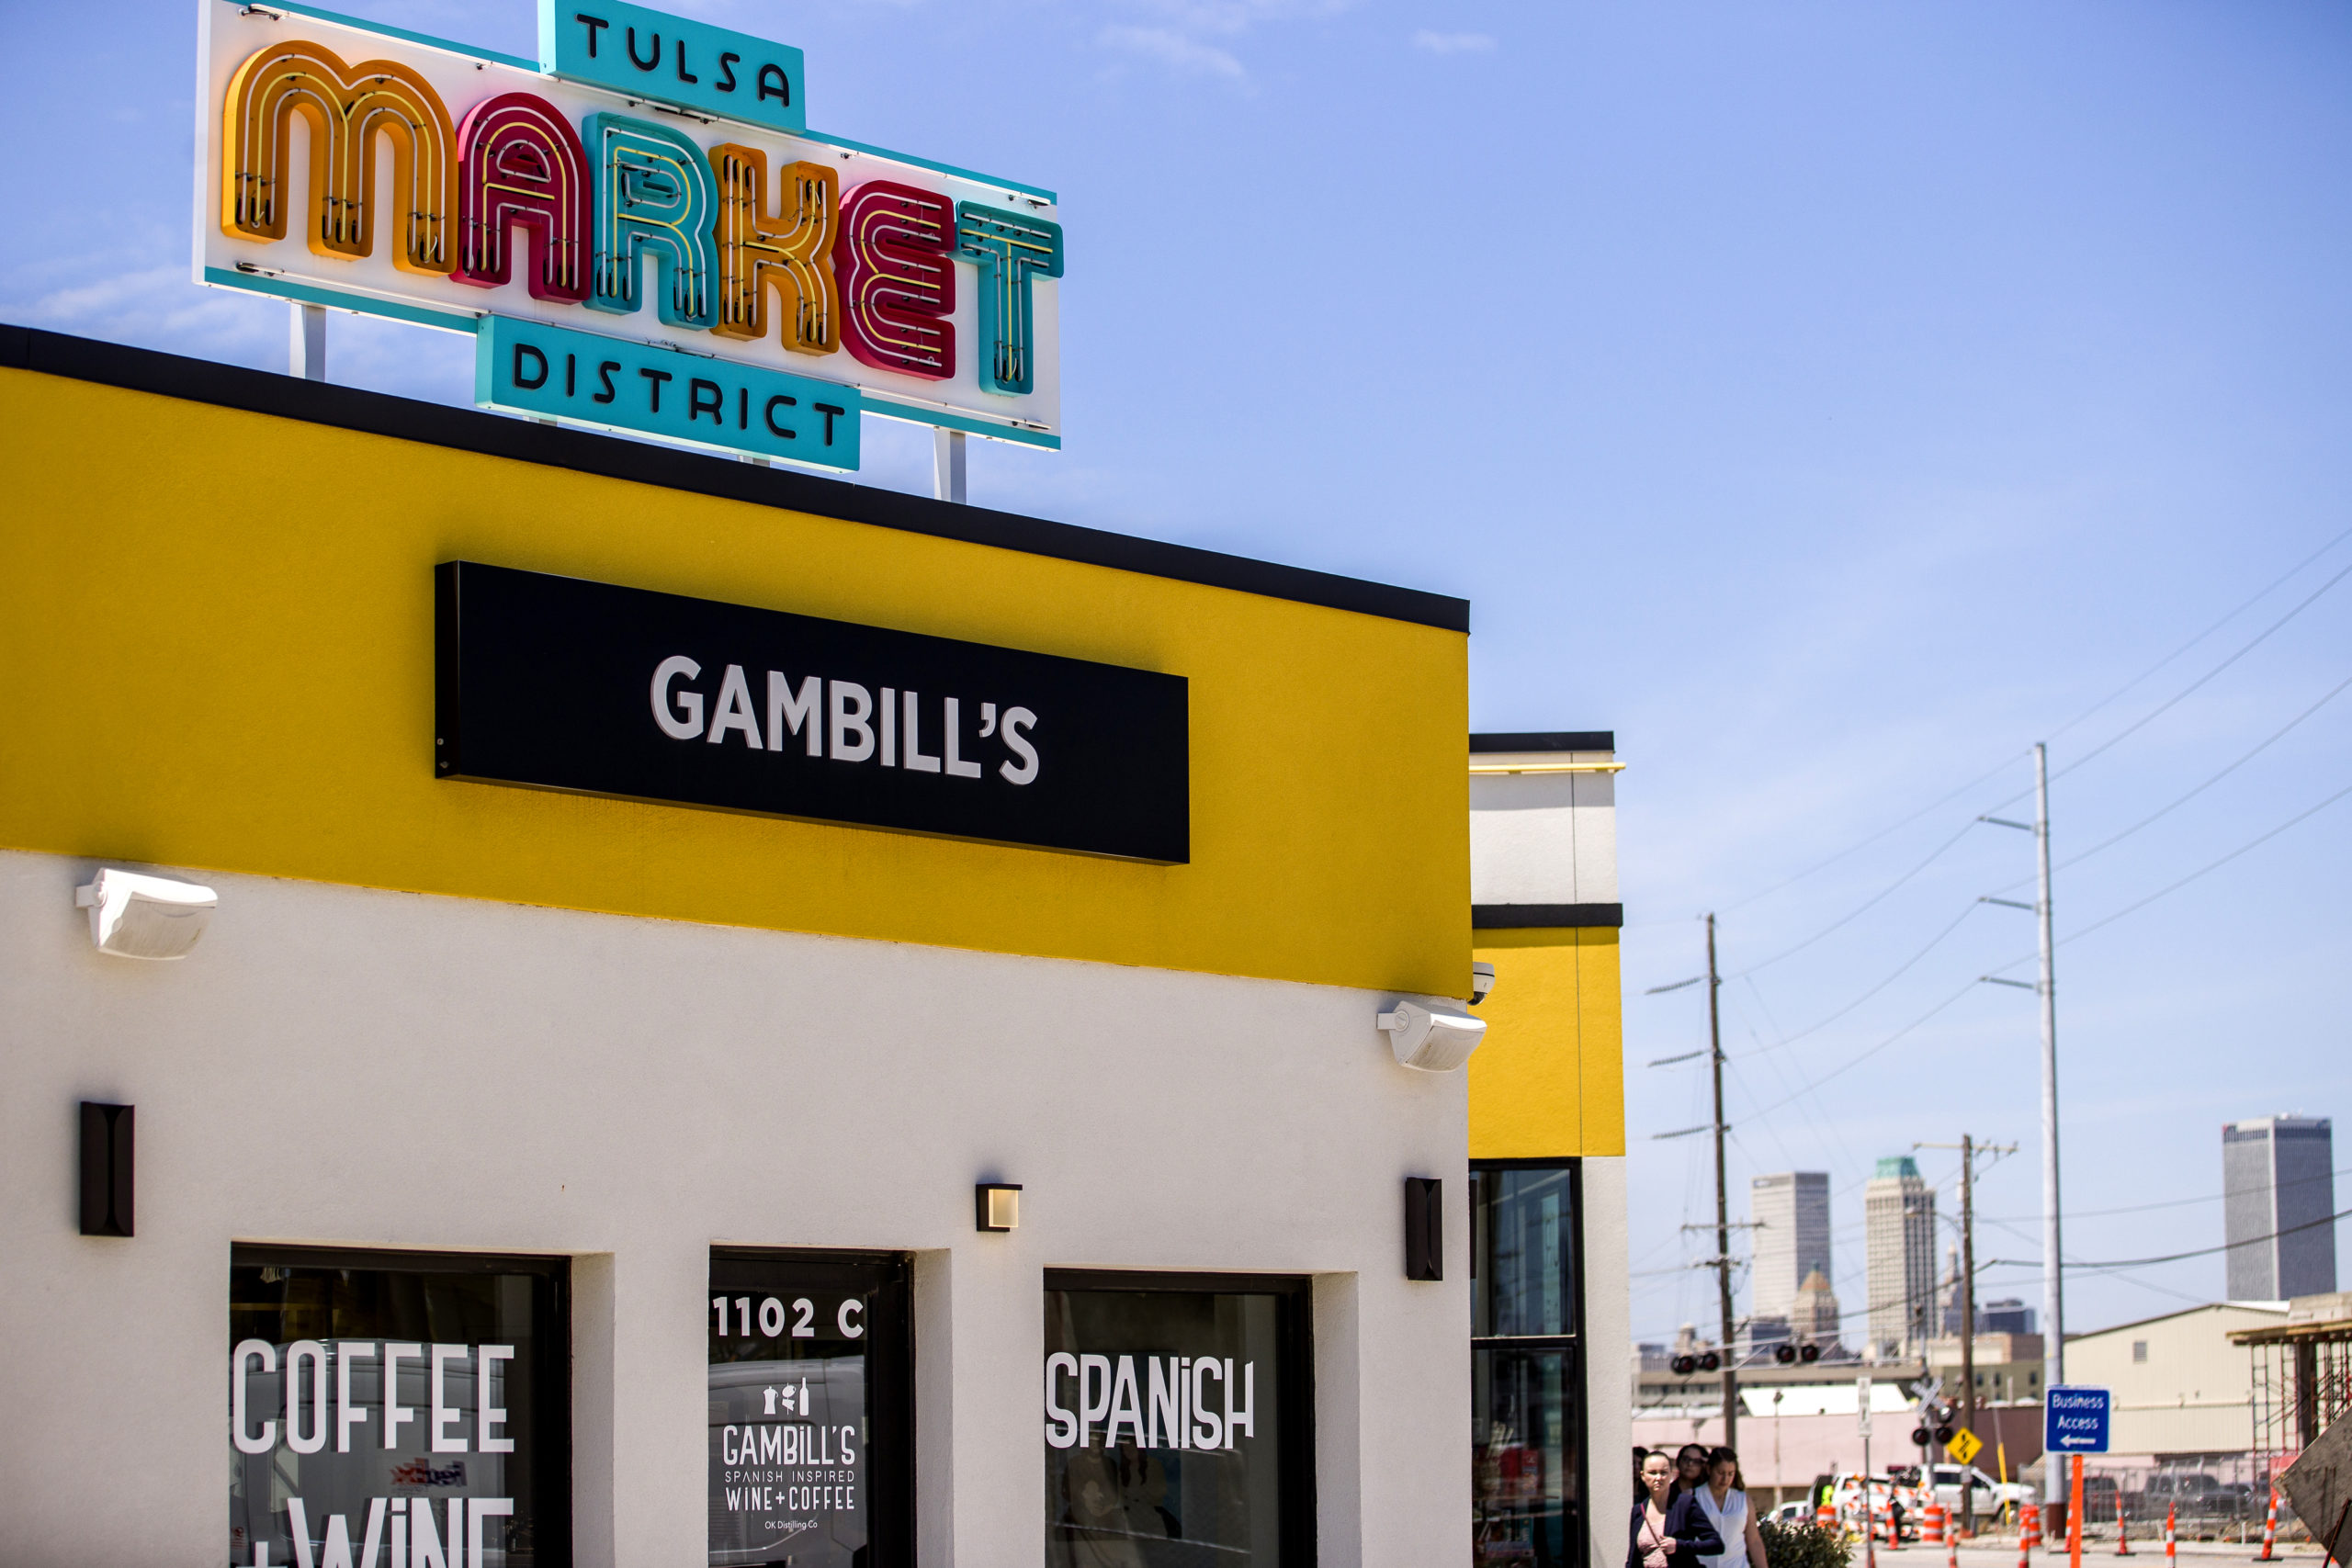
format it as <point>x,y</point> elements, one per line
<point>1790,1212</point>
<point>2279,1191</point>
<point>1899,1213</point>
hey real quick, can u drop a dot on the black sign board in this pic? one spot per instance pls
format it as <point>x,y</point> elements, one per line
<point>558,683</point>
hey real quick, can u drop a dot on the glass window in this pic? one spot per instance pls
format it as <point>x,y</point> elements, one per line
<point>1524,1406</point>
<point>811,1452</point>
<point>412,1405</point>
<point>1178,1422</point>
<point>1522,1238</point>
<point>1527,1316</point>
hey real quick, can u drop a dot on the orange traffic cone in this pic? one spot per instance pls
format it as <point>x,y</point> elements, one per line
<point>2171,1515</point>
<point>2270,1527</point>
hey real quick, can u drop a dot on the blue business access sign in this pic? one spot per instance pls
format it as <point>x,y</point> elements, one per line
<point>551,372</point>
<point>2074,1420</point>
<point>672,59</point>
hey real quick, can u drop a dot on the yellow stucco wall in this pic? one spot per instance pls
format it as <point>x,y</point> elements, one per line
<point>1548,1081</point>
<point>216,651</point>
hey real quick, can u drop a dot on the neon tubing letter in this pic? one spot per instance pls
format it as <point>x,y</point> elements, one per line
<point>791,253</point>
<point>898,279</point>
<point>1010,250</point>
<point>654,194</point>
<point>521,165</point>
<point>348,107</point>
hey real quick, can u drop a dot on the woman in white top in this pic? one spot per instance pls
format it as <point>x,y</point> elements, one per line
<point>1724,1502</point>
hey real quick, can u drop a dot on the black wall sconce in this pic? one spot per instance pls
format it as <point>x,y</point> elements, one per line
<point>106,1169</point>
<point>1424,1228</point>
<point>996,1206</point>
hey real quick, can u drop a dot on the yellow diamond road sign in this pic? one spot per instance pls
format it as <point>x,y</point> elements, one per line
<point>1965,1446</point>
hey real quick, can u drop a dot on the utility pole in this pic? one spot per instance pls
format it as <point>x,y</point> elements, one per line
<point>2053,1266</point>
<point>1723,1201</point>
<point>1969,1150</point>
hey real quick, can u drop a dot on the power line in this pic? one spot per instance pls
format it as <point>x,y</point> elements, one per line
<point>1865,843</point>
<point>1814,1086</point>
<point>2332,693</point>
<point>2215,866</point>
<point>1876,898</point>
<point>1899,972</point>
<point>2172,1203</point>
<point>2201,1252</point>
<point>1865,907</point>
<point>2265,592</point>
<point>2181,695</point>
<point>1941,801</point>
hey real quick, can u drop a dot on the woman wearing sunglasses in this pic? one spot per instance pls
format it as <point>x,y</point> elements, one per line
<point>1668,1526</point>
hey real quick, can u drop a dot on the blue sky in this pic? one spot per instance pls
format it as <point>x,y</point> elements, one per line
<point>1832,399</point>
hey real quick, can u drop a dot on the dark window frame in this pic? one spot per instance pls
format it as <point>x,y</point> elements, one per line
<point>551,1353</point>
<point>1579,1547</point>
<point>1294,1342</point>
<point>892,1524</point>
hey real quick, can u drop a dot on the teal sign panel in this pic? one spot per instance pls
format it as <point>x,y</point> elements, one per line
<point>673,60</point>
<point>550,372</point>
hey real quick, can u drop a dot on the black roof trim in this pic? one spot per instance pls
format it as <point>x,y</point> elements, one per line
<point>1533,917</point>
<point>496,435</point>
<point>1545,740</point>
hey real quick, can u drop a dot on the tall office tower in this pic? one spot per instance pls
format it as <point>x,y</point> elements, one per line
<point>1899,1215</point>
<point>2007,1315</point>
<point>1791,1215</point>
<point>2279,1188</point>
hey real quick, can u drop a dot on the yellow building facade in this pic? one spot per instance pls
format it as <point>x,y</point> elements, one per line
<point>1551,1415</point>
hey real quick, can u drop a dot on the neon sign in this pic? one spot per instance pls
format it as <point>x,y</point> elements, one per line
<point>642,159</point>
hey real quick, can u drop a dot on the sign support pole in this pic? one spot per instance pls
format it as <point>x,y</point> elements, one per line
<point>947,465</point>
<point>306,345</point>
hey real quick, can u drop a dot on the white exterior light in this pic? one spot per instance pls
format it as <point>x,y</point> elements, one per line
<point>144,917</point>
<point>1428,1040</point>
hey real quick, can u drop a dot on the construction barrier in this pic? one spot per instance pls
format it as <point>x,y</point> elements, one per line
<point>1931,1525</point>
<point>2030,1524</point>
<point>1824,1516</point>
<point>2270,1527</point>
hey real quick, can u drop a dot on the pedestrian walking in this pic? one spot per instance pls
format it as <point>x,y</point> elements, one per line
<point>1724,1501</point>
<point>1667,1530</point>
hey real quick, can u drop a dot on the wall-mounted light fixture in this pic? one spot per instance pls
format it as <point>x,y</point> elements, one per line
<point>133,915</point>
<point>1424,1228</point>
<point>106,1169</point>
<point>1430,1039</point>
<point>996,1205</point>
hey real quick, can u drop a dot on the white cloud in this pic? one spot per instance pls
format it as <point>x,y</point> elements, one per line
<point>1452,43</point>
<point>1231,18</point>
<point>1175,51</point>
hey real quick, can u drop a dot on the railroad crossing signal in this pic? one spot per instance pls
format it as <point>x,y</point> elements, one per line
<point>1965,1446</point>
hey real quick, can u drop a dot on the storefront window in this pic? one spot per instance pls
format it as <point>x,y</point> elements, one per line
<point>1177,1422</point>
<point>398,1407</point>
<point>1527,1319</point>
<point>811,1453</point>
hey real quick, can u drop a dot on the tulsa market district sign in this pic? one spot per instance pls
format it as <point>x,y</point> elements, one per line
<point>649,180</point>
<point>558,683</point>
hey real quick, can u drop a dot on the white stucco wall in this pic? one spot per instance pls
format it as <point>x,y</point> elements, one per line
<point>1608,1341</point>
<point>1543,838</point>
<point>343,1065</point>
